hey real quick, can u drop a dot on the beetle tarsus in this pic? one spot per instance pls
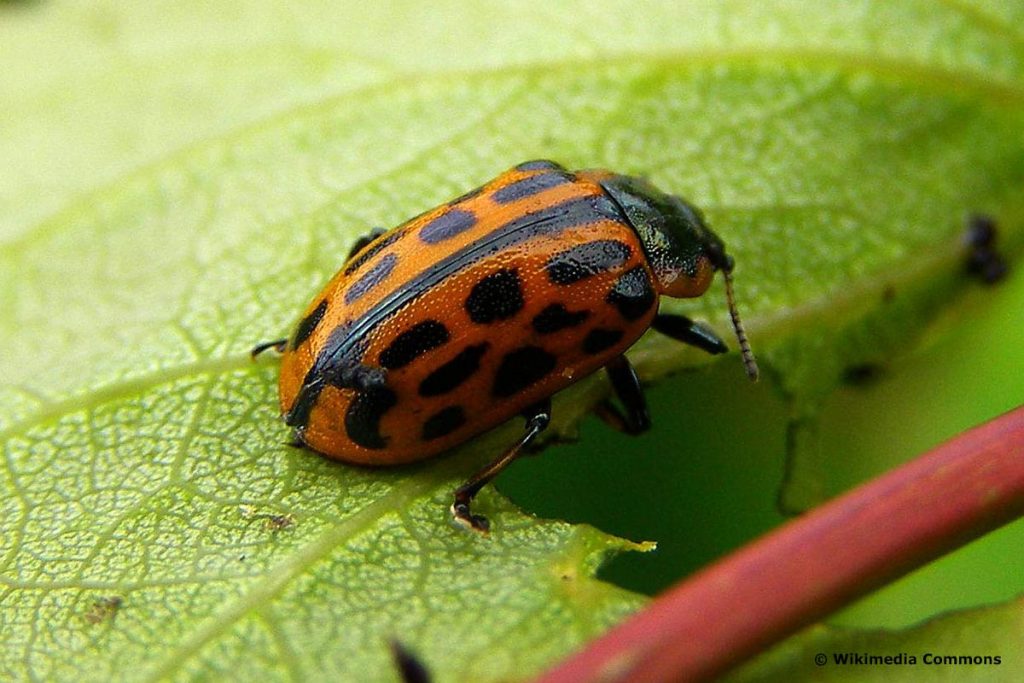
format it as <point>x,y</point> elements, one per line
<point>538,416</point>
<point>464,518</point>
<point>297,441</point>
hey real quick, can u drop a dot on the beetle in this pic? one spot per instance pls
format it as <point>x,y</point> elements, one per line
<point>481,309</point>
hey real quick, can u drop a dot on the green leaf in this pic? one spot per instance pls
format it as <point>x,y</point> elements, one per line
<point>180,179</point>
<point>972,645</point>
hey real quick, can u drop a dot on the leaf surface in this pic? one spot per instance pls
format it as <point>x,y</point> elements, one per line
<point>183,177</point>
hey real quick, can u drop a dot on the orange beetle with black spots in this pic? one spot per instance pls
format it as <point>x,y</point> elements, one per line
<point>483,308</point>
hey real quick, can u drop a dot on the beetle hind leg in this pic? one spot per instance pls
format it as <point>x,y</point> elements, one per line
<point>278,345</point>
<point>636,419</point>
<point>538,416</point>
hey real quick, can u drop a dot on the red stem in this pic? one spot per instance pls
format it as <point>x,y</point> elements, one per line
<point>812,566</point>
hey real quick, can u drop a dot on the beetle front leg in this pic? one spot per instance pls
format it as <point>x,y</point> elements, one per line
<point>538,416</point>
<point>626,385</point>
<point>681,328</point>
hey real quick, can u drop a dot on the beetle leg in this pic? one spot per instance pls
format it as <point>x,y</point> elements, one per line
<point>538,416</point>
<point>278,345</point>
<point>297,440</point>
<point>683,329</point>
<point>410,668</point>
<point>626,384</point>
<point>363,241</point>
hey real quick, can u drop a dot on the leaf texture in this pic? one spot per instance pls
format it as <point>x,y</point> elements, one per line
<point>180,178</point>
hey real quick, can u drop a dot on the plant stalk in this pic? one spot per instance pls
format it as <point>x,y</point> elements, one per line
<point>812,566</point>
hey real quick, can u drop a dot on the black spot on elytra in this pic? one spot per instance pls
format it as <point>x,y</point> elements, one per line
<point>520,368</point>
<point>600,339</point>
<point>531,185</point>
<point>337,364</point>
<point>447,225</point>
<point>362,419</point>
<point>632,294</point>
<point>308,324</point>
<point>454,372</point>
<point>443,422</point>
<point>496,297</point>
<point>557,317</point>
<point>557,219</point>
<point>586,260</point>
<point>413,343</point>
<point>371,278</point>
<point>312,386</point>
<point>371,251</point>
<point>539,165</point>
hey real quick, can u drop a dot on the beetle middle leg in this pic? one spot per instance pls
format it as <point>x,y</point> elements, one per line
<point>538,416</point>
<point>681,328</point>
<point>626,385</point>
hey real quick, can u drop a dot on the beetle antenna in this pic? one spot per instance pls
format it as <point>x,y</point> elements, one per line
<point>741,335</point>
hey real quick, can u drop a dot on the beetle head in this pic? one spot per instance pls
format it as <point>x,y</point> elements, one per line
<point>681,249</point>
